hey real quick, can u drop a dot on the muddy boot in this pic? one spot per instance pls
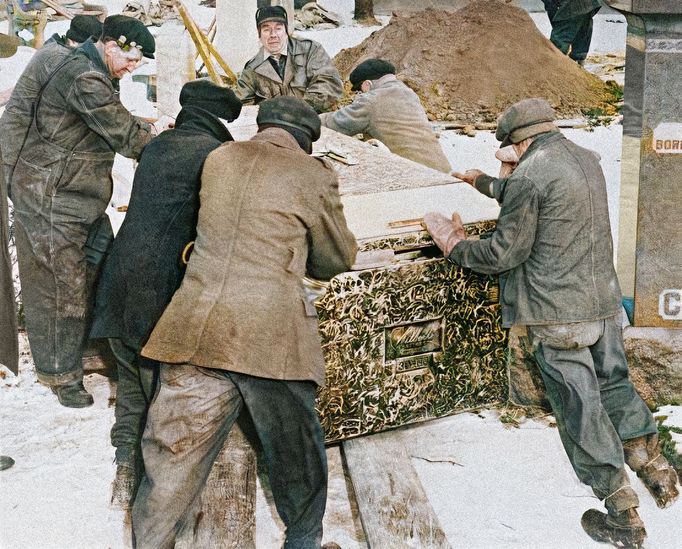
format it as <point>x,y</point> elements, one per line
<point>73,395</point>
<point>643,456</point>
<point>624,529</point>
<point>124,486</point>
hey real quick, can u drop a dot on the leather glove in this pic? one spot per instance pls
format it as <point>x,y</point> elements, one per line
<point>446,233</point>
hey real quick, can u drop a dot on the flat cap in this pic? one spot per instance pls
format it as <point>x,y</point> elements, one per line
<point>271,13</point>
<point>371,69</point>
<point>525,119</point>
<point>129,32</point>
<point>290,112</point>
<point>83,27</point>
<point>205,94</point>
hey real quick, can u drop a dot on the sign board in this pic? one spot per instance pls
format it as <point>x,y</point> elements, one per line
<point>668,138</point>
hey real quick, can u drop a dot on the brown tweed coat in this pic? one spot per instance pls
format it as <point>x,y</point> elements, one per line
<point>269,215</point>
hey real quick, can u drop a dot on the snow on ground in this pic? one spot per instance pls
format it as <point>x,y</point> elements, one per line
<point>510,487</point>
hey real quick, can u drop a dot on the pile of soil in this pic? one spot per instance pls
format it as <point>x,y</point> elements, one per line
<point>471,64</point>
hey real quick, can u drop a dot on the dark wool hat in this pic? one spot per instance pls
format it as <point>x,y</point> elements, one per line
<point>371,69</point>
<point>525,119</point>
<point>218,100</point>
<point>271,13</point>
<point>83,27</point>
<point>130,32</point>
<point>290,112</point>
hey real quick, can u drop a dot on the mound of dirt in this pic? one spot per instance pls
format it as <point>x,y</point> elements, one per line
<point>469,65</point>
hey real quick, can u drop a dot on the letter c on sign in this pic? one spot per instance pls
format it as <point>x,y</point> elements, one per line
<point>670,304</point>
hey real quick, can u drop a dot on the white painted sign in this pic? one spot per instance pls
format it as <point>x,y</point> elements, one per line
<point>670,304</point>
<point>668,138</point>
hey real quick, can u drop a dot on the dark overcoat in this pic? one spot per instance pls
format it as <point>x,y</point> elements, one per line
<point>143,268</point>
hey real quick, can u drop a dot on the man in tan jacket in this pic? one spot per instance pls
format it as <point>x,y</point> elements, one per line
<point>389,111</point>
<point>285,65</point>
<point>240,332</point>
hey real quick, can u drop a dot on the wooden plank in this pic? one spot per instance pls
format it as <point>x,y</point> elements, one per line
<point>394,509</point>
<point>227,518</point>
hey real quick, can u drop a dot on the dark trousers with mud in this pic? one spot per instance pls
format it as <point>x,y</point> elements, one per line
<point>137,380</point>
<point>596,406</point>
<point>188,423</point>
<point>59,255</point>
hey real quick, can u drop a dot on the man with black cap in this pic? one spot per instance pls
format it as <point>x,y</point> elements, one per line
<point>143,267</point>
<point>240,332</point>
<point>57,167</point>
<point>389,111</point>
<point>288,66</point>
<point>553,244</point>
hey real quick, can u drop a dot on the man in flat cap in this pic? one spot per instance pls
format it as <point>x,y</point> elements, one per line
<point>553,244</point>
<point>240,332</point>
<point>143,267</point>
<point>57,146</point>
<point>389,111</point>
<point>288,66</point>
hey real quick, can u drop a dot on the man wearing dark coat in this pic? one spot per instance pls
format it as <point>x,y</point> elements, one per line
<point>57,151</point>
<point>572,26</point>
<point>552,247</point>
<point>144,267</point>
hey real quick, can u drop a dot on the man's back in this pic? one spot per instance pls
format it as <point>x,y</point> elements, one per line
<point>269,214</point>
<point>568,274</point>
<point>143,268</point>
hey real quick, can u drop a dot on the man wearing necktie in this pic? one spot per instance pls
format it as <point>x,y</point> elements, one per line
<point>288,66</point>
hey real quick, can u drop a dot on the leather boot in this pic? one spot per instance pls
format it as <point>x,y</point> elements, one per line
<point>621,529</point>
<point>73,395</point>
<point>643,456</point>
<point>6,462</point>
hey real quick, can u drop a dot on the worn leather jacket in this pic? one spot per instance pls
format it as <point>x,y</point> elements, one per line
<point>309,74</point>
<point>553,237</point>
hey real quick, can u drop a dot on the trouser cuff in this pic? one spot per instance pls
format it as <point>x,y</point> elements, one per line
<point>57,380</point>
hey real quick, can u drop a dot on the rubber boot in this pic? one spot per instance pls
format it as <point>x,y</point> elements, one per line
<point>644,457</point>
<point>73,395</point>
<point>621,529</point>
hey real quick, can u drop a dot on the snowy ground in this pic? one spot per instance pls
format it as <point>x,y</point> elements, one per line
<point>510,487</point>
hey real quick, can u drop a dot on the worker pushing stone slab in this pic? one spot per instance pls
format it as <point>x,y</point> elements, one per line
<point>406,335</point>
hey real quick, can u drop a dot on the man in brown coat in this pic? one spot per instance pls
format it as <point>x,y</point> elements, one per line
<point>240,332</point>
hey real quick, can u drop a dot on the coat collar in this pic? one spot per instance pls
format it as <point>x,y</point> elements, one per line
<point>264,68</point>
<point>539,140</point>
<point>193,118</point>
<point>278,137</point>
<point>90,51</point>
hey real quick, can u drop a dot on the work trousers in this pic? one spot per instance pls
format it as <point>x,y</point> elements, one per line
<point>9,351</point>
<point>573,35</point>
<point>137,380</point>
<point>188,423</point>
<point>57,286</point>
<point>596,406</point>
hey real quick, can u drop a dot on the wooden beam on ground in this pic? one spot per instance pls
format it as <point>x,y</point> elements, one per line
<point>394,509</point>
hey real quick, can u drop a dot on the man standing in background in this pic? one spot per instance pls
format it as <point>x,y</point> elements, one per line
<point>288,66</point>
<point>572,26</point>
